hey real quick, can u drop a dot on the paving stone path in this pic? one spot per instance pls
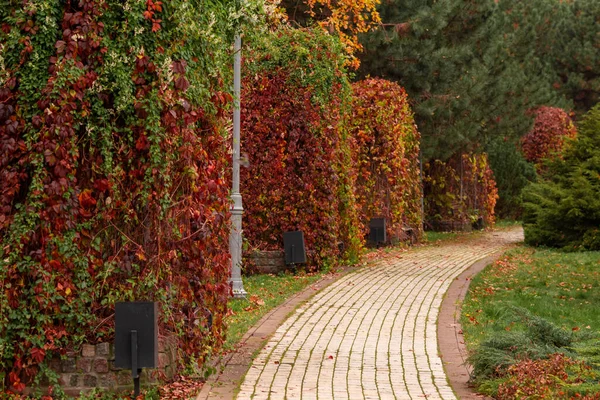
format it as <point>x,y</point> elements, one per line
<point>371,334</point>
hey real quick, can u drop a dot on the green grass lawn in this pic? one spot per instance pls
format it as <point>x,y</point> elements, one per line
<point>538,299</point>
<point>563,288</point>
<point>265,292</point>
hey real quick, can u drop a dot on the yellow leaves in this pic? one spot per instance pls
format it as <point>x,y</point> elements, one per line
<point>140,255</point>
<point>255,302</point>
<point>65,289</point>
<point>347,18</point>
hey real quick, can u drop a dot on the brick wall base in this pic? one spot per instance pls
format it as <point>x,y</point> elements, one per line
<point>93,367</point>
<point>267,262</point>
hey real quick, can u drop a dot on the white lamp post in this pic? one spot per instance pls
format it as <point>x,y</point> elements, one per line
<point>235,237</point>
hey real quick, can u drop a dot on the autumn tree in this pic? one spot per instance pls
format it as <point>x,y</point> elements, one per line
<point>551,128</point>
<point>347,18</point>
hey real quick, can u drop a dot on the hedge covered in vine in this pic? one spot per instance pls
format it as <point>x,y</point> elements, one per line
<point>295,94</point>
<point>385,144</point>
<point>112,173</point>
<point>459,191</point>
<point>546,139</point>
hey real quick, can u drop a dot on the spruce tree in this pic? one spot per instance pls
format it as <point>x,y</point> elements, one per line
<point>512,173</point>
<point>573,48</point>
<point>563,210</point>
<point>470,67</point>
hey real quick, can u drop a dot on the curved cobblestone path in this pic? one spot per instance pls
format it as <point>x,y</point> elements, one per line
<point>371,334</point>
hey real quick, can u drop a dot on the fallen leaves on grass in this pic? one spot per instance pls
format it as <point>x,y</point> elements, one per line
<point>256,300</point>
<point>182,388</point>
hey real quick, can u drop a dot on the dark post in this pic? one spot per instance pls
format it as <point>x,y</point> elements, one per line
<point>377,233</point>
<point>135,373</point>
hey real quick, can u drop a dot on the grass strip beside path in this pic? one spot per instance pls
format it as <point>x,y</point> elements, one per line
<point>524,309</point>
<point>265,292</point>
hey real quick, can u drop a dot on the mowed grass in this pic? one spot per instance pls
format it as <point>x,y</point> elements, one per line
<point>563,288</point>
<point>532,326</point>
<point>265,292</point>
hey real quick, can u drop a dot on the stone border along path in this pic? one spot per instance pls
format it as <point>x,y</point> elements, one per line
<point>373,333</point>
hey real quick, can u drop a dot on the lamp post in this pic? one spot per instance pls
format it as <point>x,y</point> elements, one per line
<point>235,236</point>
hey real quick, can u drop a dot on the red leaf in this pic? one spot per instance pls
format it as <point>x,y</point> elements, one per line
<point>38,355</point>
<point>86,200</point>
<point>142,143</point>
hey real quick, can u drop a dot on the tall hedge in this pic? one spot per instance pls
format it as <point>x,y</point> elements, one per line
<point>386,156</point>
<point>563,208</point>
<point>112,183</point>
<point>460,191</point>
<point>295,93</point>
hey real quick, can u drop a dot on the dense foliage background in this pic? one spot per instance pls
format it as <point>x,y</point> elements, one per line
<point>459,192</point>
<point>563,209</point>
<point>295,97</point>
<point>552,126</point>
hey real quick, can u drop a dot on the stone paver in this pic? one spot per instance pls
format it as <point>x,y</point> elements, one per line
<point>373,333</point>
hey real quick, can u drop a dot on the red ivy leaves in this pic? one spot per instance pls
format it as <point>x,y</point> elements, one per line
<point>460,190</point>
<point>291,182</point>
<point>37,355</point>
<point>95,230</point>
<point>153,7</point>
<point>386,156</point>
<point>547,138</point>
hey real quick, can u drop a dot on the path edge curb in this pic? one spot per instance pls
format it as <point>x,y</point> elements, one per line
<point>451,345</point>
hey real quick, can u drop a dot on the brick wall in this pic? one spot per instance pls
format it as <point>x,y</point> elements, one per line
<point>93,367</point>
<point>267,262</point>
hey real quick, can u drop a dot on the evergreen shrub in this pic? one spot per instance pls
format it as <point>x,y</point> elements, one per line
<point>385,145</point>
<point>563,208</point>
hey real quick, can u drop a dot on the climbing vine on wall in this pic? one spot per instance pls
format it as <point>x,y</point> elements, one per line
<point>459,191</point>
<point>385,141</point>
<point>294,95</point>
<point>112,173</point>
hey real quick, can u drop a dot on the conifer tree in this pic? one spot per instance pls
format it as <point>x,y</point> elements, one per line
<point>563,210</point>
<point>470,68</point>
<point>574,49</point>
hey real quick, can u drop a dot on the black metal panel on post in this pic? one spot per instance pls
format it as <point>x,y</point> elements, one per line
<point>293,246</point>
<point>377,233</point>
<point>136,338</point>
<point>142,317</point>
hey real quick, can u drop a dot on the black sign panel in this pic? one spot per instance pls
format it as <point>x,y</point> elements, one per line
<point>293,246</point>
<point>377,232</point>
<point>136,324</point>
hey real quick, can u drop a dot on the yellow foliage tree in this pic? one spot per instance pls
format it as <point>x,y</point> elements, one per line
<point>347,18</point>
